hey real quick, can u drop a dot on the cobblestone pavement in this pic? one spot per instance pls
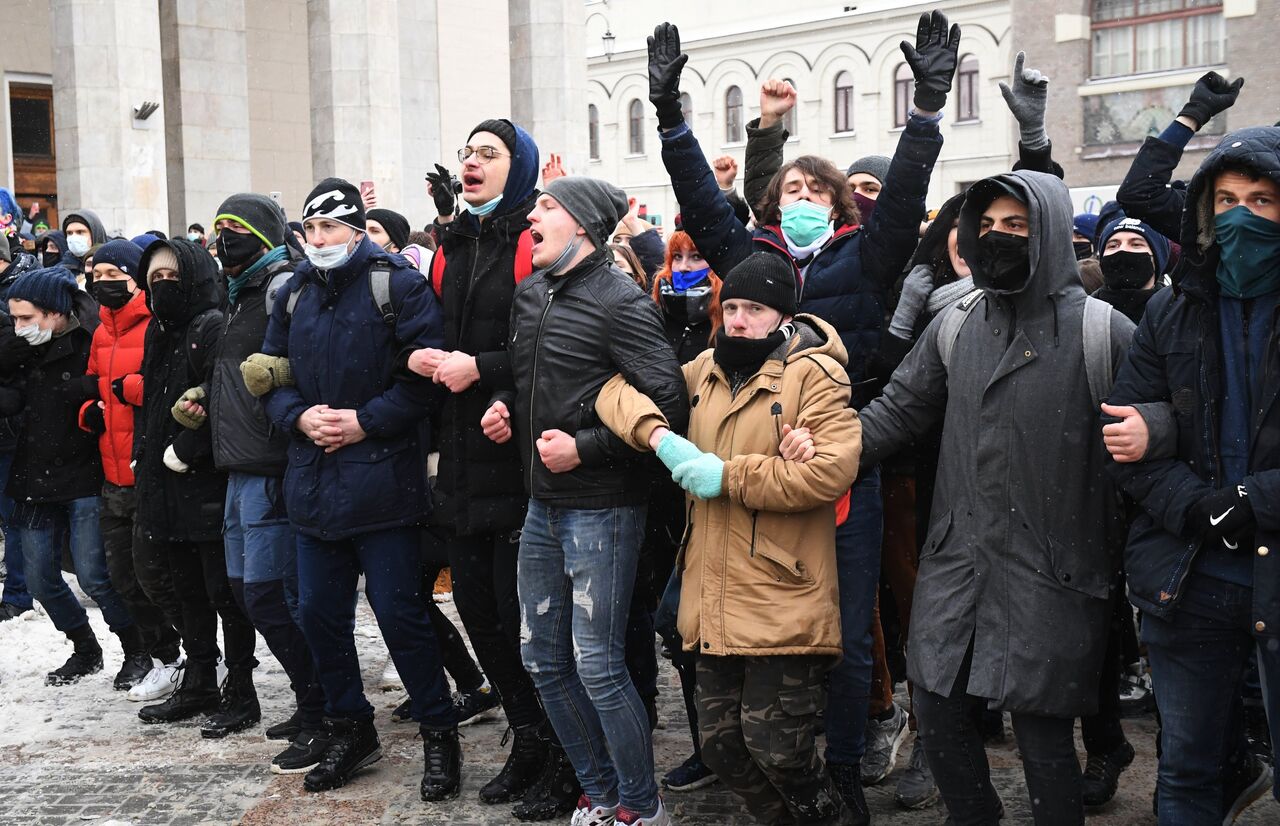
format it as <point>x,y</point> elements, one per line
<point>78,755</point>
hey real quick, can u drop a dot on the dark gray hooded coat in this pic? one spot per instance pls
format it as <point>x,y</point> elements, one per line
<point>1025,532</point>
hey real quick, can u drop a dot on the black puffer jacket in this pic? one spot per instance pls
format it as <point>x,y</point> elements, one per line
<point>569,335</point>
<point>478,486</point>
<point>179,507</point>
<point>54,460</point>
<point>244,438</point>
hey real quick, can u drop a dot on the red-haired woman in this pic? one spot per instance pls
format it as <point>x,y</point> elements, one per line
<point>688,293</point>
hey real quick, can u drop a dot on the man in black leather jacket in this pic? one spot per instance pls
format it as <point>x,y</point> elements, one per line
<point>574,324</point>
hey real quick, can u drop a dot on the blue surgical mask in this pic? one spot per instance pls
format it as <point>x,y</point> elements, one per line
<point>803,222</point>
<point>485,208</point>
<point>682,280</point>
<point>1249,264</point>
<point>193,237</point>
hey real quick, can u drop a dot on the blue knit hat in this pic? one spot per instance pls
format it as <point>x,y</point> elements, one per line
<point>1158,243</point>
<point>1086,223</point>
<point>51,289</point>
<point>121,254</point>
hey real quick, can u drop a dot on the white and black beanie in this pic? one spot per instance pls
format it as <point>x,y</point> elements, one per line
<point>336,200</point>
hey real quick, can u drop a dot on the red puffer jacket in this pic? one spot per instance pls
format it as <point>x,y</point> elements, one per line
<point>117,354</point>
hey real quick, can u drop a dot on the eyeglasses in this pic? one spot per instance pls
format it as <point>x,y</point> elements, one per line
<point>483,153</point>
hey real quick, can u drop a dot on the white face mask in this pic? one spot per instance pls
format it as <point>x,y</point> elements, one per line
<point>326,258</point>
<point>34,334</point>
<point>78,245</point>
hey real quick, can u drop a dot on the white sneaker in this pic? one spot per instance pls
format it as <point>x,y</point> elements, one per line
<point>391,677</point>
<point>159,683</point>
<point>660,818</point>
<point>587,815</point>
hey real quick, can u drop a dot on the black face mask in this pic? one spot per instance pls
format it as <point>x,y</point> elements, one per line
<point>1005,262</point>
<point>167,302</point>
<point>50,258</point>
<point>112,294</point>
<point>1084,249</point>
<point>1127,270</point>
<point>235,249</point>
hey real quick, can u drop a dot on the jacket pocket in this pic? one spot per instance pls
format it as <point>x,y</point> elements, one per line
<point>1073,571</point>
<point>937,533</point>
<point>786,567</point>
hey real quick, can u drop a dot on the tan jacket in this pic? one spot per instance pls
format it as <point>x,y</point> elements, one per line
<point>759,561</point>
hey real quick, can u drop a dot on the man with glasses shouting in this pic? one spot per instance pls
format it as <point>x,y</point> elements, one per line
<point>479,496</point>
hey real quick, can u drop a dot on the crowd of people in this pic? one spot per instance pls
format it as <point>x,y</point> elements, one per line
<point>818,440</point>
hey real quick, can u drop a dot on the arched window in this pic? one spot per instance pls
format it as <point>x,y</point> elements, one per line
<point>903,86</point>
<point>844,102</point>
<point>967,89</point>
<point>733,115</point>
<point>686,107</point>
<point>635,127</point>
<point>789,120</point>
<point>593,131</point>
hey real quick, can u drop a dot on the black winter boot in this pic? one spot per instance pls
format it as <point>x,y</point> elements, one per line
<point>353,744</point>
<point>137,662</point>
<point>237,710</point>
<point>85,659</point>
<point>196,694</point>
<point>442,764</point>
<point>556,791</point>
<point>286,729</point>
<point>847,781</point>
<point>523,766</point>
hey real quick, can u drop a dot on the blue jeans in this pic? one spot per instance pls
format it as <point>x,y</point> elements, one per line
<point>858,571</point>
<point>262,564</point>
<point>1198,656</point>
<point>15,582</point>
<point>41,528</point>
<point>328,574</point>
<point>576,572</point>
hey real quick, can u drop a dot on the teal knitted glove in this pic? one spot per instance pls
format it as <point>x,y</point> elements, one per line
<point>675,450</point>
<point>703,476</point>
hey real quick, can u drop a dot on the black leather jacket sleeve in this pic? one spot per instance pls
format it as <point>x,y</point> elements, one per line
<point>639,348</point>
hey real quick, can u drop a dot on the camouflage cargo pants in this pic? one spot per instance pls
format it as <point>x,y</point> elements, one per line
<point>757,717</point>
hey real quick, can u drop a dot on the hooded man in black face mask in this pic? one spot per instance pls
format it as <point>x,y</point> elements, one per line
<point>1014,584</point>
<point>1134,258</point>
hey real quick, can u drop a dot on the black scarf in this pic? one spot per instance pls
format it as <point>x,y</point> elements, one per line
<point>1130,302</point>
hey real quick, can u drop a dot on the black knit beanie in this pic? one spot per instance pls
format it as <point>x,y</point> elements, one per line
<point>336,200</point>
<point>259,214</point>
<point>765,278</point>
<point>396,225</point>
<point>500,127</point>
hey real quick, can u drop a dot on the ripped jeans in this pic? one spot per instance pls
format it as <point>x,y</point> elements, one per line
<point>575,575</point>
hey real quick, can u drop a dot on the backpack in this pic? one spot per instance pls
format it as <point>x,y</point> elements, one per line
<point>523,263</point>
<point>1097,340</point>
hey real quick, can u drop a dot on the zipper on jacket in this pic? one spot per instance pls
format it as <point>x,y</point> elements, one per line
<point>466,296</point>
<point>754,514</point>
<point>533,388</point>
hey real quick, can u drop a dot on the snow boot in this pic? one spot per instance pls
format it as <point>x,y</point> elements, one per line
<point>196,694</point>
<point>523,766</point>
<point>353,744</point>
<point>85,659</point>
<point>442,764</point>
<point>237,710</point>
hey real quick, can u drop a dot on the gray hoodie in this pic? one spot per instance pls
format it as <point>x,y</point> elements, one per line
<point>1025,531</point>
<point>97,233</point>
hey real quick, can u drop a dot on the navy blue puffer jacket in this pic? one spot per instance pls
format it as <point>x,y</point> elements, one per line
<point>343,354</point>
